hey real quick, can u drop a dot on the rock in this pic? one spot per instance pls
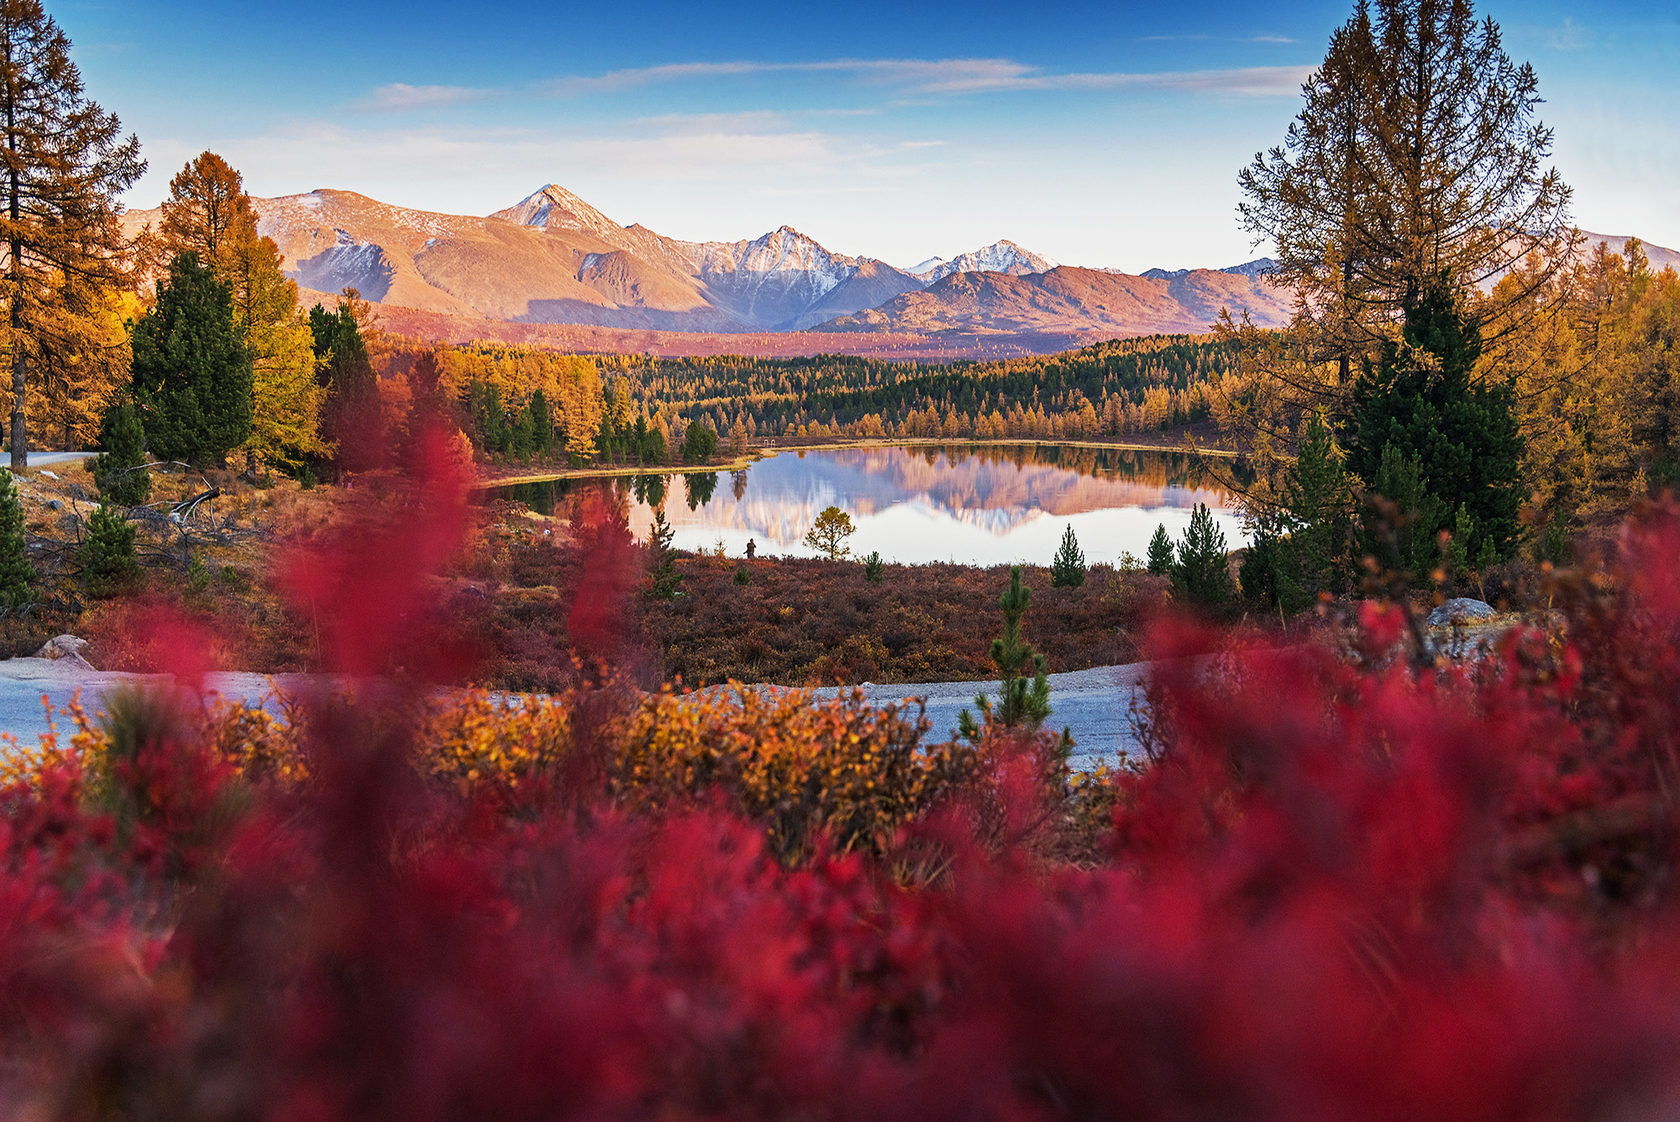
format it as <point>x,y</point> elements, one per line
<point>54,504</point>
<point>1461,609</point>
<point>62,646</point>
<point>66,649</point>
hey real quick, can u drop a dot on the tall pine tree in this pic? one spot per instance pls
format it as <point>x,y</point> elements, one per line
<point>192,370</point>
<point>66,162</point>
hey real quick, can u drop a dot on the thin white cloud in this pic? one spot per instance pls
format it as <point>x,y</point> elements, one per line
<point>1571,36</point>
<point>1205,38</point>
<point>400,96</point>
<point>1248,81</point>
<point>955,76</point>
<point>752,120</point>
<point>912,72</point>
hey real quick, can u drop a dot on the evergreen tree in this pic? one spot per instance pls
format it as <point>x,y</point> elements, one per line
<point>1301,546</point>
<point>350,413</point>
<point>1263,564</point>
<point>1455,442</point>
<point>192,371</point>
<point>66,165</point>
<point>662,560</point>
<point>873,569</point>
<point>1160,556</point>
<point>699,442</point>
<point>1067,568</point>
<point>120,471</point>
<point>1024,698</point>
<point>542,422</point>
<point>17,575</point>
<point>1201,573</point>
<point>107,553</point>
<point>1402,520</point>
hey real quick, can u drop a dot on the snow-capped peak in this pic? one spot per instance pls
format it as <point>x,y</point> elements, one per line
<point>555,208</point>
<point>1002,256</point>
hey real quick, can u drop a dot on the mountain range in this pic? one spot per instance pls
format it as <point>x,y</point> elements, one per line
<point>553,265</point>
<point>554,259</point>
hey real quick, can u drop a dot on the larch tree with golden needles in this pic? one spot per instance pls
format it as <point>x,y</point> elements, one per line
<point>1416,155</point>
<point>208,213</point>
<point>63,162</point>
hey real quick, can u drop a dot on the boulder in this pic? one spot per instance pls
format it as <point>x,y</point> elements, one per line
<point>1460,610</point>
<point>66,649</point>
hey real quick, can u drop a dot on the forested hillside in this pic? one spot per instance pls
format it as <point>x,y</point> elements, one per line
<point>641,406</point>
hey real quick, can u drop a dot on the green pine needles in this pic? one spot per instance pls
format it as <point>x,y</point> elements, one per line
<point>1160,556</point>
<point>1067,568</point>
<point>107,556</point>
<point>1024,700</point>
<point>1434,441</point>
<point>17,575</point>
<point>120,471</point>
<point>1200,573</point>
<point>662,560</point>
<point>192,370</point>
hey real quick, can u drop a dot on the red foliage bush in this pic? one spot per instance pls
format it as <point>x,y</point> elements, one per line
<point>1341,892</point>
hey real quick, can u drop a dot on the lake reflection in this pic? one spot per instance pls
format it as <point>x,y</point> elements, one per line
<point>984,506</point>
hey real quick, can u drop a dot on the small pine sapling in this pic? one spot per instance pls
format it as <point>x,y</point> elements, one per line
<point>107,555</point>
<point>1024,699</point>
<point>873,569</point>
<point>120,471</point>
<point>1160,555</point>
<point>662,561</point>
<point>1067,568</point>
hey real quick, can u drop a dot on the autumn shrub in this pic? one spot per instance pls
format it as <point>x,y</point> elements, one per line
<point>842,771</point>
<point>1347,888</point>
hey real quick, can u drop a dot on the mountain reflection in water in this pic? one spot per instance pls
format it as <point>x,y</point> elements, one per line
<point>983,506</point>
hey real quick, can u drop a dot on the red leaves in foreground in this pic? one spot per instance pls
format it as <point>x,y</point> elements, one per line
<point>1341,893</point>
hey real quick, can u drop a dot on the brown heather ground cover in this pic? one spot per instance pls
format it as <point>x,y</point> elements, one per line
<point>793,621</point>
<point>510,598</point>
<point>801,620</point>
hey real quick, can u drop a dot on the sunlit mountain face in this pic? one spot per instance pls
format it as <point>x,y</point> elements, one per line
<point>914,505</point>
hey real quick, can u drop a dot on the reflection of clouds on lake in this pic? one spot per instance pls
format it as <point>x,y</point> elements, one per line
<point>983,508</point>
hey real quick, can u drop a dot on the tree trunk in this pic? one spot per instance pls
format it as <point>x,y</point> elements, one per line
<point>20,437</point>
<point>20,365</point>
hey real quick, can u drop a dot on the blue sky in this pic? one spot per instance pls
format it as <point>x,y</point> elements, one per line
<point>1099,134</point>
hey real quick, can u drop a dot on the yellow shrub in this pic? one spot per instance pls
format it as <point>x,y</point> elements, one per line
<point>800,767</point>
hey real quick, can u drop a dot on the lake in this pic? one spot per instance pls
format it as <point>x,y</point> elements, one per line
<point>985,505</point>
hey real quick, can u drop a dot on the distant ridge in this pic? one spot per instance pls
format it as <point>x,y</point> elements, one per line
<point>1259,267</point>
<point>553,259</point>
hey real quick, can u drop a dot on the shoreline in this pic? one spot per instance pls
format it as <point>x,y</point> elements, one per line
<point>752,456</point>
